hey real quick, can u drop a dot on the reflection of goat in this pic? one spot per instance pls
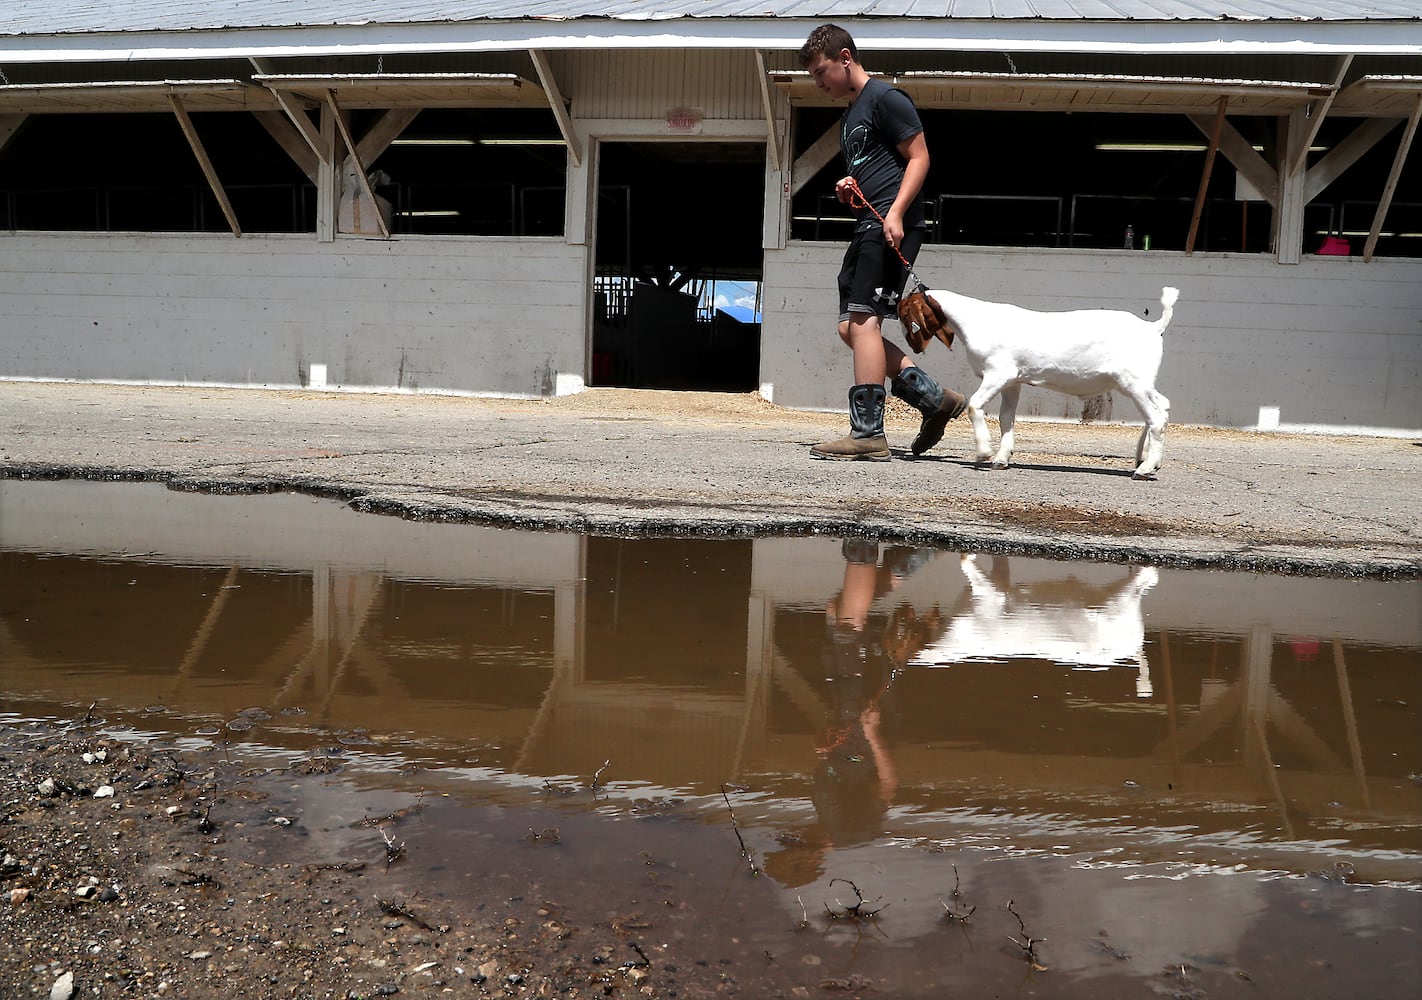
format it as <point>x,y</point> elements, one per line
<point>1083,352</point>
<point>908,632</point>
<point>1008,621</point>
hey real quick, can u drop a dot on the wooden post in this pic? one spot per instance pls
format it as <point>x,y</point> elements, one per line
<point>208,171</point>
<point>352,153</point>
<point>1205,175</point>
<point>1391,186</point>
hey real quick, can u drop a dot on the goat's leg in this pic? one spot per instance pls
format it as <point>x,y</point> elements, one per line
<point>1006,423</point>
<point>982,441</point>
<point>1150,448</point>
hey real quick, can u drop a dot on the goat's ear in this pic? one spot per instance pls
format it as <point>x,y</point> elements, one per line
<point>923,319</point>
<point>941,329</point>
<point>915,316</point>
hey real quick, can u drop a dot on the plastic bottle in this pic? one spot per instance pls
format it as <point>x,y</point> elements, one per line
<point>1130,237</point>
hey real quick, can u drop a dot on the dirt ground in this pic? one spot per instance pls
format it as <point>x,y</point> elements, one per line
<point>120,880</point>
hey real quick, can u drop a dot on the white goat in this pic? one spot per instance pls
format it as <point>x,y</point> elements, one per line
<point>1083,352</point>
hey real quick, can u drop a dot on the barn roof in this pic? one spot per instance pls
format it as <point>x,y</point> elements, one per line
<point>65,30</point>
<point>47,17</point>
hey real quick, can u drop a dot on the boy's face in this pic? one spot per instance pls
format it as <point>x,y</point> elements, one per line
<point>831,73</point>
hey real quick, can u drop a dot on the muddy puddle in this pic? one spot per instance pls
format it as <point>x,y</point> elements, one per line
<point>1040,778</point>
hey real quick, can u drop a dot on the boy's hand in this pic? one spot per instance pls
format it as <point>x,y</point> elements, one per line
<point>893,229</point>
<point>843,189</point>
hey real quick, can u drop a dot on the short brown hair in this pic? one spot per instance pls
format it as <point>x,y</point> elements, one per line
<point>828,40</point>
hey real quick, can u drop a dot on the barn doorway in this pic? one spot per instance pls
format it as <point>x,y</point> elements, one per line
<point>678,265</point>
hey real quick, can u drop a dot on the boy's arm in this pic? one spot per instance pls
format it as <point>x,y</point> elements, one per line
<point>914,150</point>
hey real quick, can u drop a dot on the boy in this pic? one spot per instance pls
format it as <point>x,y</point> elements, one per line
<point>883,144</point>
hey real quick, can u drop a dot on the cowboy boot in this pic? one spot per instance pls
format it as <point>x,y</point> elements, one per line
<point>866,434</point>
<point>937,404</point>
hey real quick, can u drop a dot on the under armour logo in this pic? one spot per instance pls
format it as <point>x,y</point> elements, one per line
<point>891,298</point>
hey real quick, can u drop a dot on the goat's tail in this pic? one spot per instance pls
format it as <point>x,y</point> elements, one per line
<point>1168,295</point>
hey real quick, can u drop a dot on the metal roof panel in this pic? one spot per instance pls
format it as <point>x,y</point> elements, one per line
<point>48,17</point>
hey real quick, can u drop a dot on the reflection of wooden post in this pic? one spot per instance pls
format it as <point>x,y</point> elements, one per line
<point>321,628</point>
<point>760,655</point>
<point>1170,707</point>
<point>1259,658</point>
<point>1350,720</point>
<point>569,651</point>
<point>362,595</point>
<point>204,632</point>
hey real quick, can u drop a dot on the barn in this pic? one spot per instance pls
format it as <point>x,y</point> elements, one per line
<point>533,199</point>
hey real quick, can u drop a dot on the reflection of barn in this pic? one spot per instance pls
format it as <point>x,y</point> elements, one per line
<point>692,663</point>
<point>568,187</point>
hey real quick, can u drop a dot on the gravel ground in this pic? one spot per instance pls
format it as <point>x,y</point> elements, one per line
<point>137,872</point>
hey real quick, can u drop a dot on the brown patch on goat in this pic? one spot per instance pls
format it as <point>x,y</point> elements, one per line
<point>923,319</point>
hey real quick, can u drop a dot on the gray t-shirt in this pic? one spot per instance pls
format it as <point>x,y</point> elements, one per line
<point>880,118</point>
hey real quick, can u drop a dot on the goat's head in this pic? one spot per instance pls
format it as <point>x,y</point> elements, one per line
<point>923,319</point>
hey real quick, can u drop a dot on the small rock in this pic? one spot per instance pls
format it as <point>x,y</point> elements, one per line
<point>198,956</point>
<point>637,976</point>
<point>84,891</point>
<point>104,792</point>
<point>63,987</point>
<point>425,967</point>
<point>281,821</point>
<point>18,896</point>
<point>46,787</point>
<point>488,969</point>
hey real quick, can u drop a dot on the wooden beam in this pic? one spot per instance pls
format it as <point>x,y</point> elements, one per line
<point>1241,154</point>
<point>772,134</point>
<point>294,113</point>
<point>9,125</point>
<point>1205,174</point>
<point>549,82</point>
<point>380,135</point>
<point>1391,186</point>
<point>812,160</point>
<point>1320,111</point>
<point>195,143</point>
<point>280,128</point>
<point>366,189</point>
<point>1342,156</point>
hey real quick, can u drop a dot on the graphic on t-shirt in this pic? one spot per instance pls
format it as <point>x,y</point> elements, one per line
<point>856,145</point>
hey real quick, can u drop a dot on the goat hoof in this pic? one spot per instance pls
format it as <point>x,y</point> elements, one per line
<point>998,466</point>
<point>1143,477</point>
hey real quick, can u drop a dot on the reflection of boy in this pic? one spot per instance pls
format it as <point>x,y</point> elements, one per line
<point>855,779</point>
<point>887,158</point>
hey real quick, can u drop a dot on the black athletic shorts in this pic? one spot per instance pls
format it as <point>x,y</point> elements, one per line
<point>873,276</point>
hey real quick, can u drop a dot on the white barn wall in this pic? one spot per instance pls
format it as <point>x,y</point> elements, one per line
<point>646,84</point>
<point>477,315</point>
<point>1334,343</point>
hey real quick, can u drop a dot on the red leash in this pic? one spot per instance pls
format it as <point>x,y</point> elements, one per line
<point>857,200</point>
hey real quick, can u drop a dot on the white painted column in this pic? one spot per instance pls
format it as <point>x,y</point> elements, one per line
<point>1293,171</point>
